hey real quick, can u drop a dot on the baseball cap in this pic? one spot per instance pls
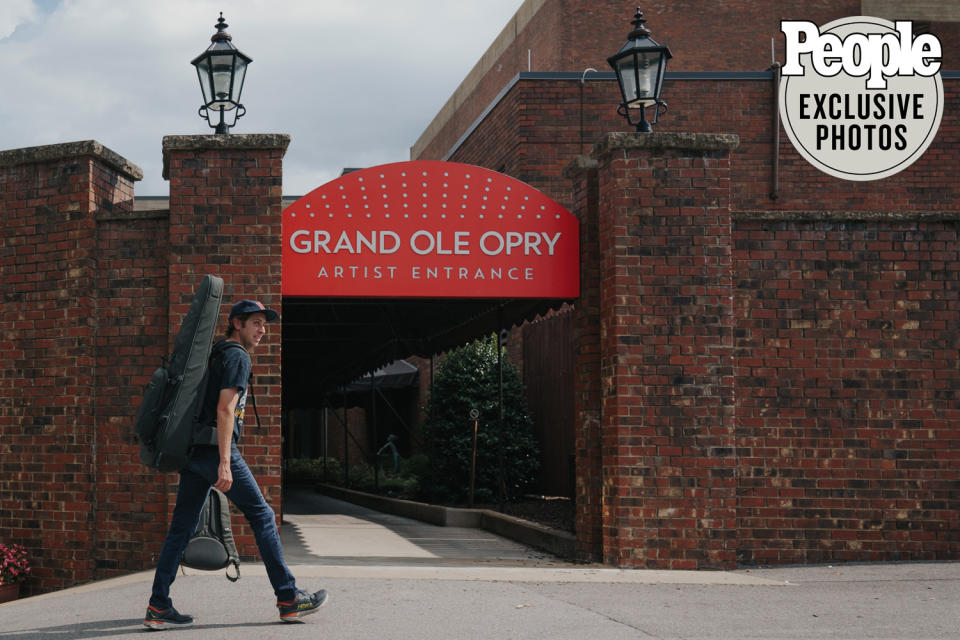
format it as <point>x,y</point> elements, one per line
<point>252,306</point>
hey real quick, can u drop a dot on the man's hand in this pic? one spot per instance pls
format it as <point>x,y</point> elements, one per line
<point>224,477</point>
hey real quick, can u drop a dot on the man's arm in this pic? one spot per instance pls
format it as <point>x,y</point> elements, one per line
<point>226,406</point>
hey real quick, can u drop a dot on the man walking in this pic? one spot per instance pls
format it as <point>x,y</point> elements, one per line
<point>216,461</point>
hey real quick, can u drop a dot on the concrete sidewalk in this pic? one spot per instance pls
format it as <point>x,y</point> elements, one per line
<point>421,582</point>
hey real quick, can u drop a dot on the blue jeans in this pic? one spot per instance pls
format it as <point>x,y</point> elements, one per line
<point>196,478</point>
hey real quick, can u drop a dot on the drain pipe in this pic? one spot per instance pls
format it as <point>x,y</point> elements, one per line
<point>775,67</point>
<point>583,79</point>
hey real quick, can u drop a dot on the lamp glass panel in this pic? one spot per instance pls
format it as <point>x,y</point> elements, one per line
<point>239,74</point>
<point>640,73</point>
<point>203,73</point>
<point>222,70</point>
<point>627,78</point>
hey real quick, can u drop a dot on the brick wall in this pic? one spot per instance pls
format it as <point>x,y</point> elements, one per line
<point>777,387</point>
<point>132,302</point>
<point>586,366</point>
<point>848,339</point>
<point>542,124</point>
<point>666,350</point>
<point>95,293</point>
<point>51,428</point>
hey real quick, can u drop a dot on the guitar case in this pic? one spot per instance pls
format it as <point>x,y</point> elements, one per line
<point>172,400</point>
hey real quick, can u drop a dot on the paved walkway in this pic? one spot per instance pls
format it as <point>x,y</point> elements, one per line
<point>402,580</point>
<point>322,530</point>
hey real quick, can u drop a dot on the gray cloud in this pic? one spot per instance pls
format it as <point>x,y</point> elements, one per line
<point>354,82</point>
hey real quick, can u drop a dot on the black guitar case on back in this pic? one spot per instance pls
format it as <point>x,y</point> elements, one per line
<point>172,399</point>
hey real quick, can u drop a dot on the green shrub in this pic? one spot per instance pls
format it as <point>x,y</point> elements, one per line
<point>468,379</point>
<point>312,470</point>
<point>361,477</point>
<point>416,466</point>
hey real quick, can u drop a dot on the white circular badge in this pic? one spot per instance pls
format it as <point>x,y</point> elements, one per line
<point>854,99</point>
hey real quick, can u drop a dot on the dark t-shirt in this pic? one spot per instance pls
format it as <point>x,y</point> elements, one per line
<point>229,368</point>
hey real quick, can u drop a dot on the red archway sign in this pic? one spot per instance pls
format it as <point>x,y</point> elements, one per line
<point>429,229</point>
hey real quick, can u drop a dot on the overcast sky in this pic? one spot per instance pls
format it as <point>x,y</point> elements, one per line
<point>354,82</point>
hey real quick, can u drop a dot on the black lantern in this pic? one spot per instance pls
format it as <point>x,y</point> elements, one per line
<point>640,65</point>
<point>221,69</point>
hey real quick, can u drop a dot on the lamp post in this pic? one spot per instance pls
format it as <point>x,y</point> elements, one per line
<point>640,65</point>
<point>221,70</point>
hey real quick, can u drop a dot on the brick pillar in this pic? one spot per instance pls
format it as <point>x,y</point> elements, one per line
<point>50,197</point>
<point>665,321</point>
<point>225,208</point>
<point>582,173</point>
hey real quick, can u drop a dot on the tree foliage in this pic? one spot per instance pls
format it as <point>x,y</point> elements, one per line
<point>467,379</point>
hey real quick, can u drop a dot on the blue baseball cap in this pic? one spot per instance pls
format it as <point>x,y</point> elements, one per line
<point>252,306</point>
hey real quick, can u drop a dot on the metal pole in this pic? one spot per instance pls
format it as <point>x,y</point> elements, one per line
<point>473,461</point>
<point>346,440</point>
<point>373,412</point>
<point>500,342</point>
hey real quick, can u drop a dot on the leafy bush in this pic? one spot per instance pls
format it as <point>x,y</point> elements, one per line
<point>468,379</point>
<point>310,470</point>
<point>405,485</point>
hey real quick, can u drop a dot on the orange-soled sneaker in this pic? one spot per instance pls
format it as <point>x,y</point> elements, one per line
<point>302,605</point>
<point>158,619</point>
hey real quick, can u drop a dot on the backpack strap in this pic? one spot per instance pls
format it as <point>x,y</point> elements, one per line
<point>228,541</point>
<point>220,348</point>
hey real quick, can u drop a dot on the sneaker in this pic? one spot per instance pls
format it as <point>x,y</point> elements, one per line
<point>163,618</point>
<point>302,605</point>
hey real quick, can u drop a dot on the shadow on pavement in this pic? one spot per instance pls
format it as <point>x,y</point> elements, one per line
<point>108,628</point>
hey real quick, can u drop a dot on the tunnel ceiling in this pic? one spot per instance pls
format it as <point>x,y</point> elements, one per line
<point>331,342</point>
